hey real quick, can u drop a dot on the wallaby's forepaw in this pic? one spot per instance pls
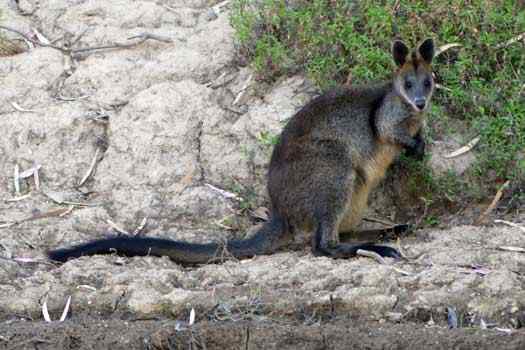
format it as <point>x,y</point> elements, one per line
<point>417,149</point>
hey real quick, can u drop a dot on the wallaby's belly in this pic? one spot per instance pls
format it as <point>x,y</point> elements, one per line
<point>375,170</point>
<point>356,205</point>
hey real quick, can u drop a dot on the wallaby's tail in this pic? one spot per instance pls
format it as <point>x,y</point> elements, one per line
<point>266,240</point>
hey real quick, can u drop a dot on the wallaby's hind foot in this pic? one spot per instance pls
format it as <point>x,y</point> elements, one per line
<point>345,251</point>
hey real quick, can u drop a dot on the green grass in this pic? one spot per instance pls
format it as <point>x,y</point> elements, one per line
<point>332,41</point>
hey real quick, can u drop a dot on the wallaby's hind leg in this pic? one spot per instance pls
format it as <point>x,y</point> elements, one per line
<point>329,212</point>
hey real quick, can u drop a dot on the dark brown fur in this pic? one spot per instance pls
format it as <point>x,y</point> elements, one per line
<point>329,157</point>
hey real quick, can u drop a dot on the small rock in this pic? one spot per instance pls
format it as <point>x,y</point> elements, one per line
<point>211,15</point>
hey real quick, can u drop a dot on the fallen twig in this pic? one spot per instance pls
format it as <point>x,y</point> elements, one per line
<point>17,199</point>
<point>462,150</point>
<point>511,41</point>
<point>493,204</point>
<point>242,92</point>
<point>90,170</point>
<point>45,312</point>
<point>117,228</point>
<point>445,47</point>
<point>512,249</point>
<point>58,200</point>
<point>510,224</point>
<point>17,179</point>
<point>380,259</point>
<point>140,227</point>
<point>88,287</point>
<point>35,42</point>
<point>69,210</point>
<point>223,193</point>
<point>33,171</point>
<point>143,37</point>
<point>20,109</point>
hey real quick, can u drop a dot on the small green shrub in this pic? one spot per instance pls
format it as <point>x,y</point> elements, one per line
<point>331,41</point>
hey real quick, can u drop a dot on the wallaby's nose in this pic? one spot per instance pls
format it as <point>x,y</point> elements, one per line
<point>420,103</point>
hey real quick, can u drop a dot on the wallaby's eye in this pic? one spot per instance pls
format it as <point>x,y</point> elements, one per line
<point>408,85</point>
<point>427,83</point>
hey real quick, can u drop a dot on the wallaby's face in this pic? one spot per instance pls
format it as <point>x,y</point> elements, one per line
<point>413,80</point>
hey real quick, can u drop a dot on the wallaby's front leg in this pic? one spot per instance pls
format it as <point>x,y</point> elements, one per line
<point>418,150</point>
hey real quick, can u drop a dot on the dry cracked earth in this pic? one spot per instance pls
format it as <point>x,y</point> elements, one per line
<point>169,130</point>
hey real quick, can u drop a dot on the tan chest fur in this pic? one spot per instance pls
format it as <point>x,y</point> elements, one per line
<point>375,170</point>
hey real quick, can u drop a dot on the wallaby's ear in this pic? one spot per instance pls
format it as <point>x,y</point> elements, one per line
<point>399,52</point>
<point>426,50</point>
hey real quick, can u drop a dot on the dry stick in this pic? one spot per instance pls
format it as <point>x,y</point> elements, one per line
<point>510,224</point>
<point>20,109</point>
<point>90,170</point>
<point>17,180</point>
<point>512,249</point>
<point>492,205</point>
<point>143,37</point>
<point>139,228</point>
<point>17,199</point>
<point>511,41</point>
<point>380,259</point>
<point>117,228</point>
<point>36,177</point>
<point>33,41</point>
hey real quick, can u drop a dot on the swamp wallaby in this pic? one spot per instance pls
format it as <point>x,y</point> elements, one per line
<point>329,157</point>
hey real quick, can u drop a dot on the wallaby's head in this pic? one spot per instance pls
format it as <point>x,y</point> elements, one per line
<point>413,79</point>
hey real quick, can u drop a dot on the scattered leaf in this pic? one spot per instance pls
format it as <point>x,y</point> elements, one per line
<point>504,330</point>
<point>139,228</point>
<point>192,317</point>
<point>45,313</point>
<point>469,146</point>
<point>66,310</point>
<point>90,170</point>
<point>493,204</point>
<point>17,179</point>
<point>483,324</point>
<point>20,109</point>
<point>452,317</point>
<point>446,47</point>
<point>224,193</point>
<point>512,249</point>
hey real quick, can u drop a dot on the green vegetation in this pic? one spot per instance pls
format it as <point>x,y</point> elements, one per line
<point>483,81</point>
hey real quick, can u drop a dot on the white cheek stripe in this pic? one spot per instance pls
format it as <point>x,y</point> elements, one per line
<point>405,97</point>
